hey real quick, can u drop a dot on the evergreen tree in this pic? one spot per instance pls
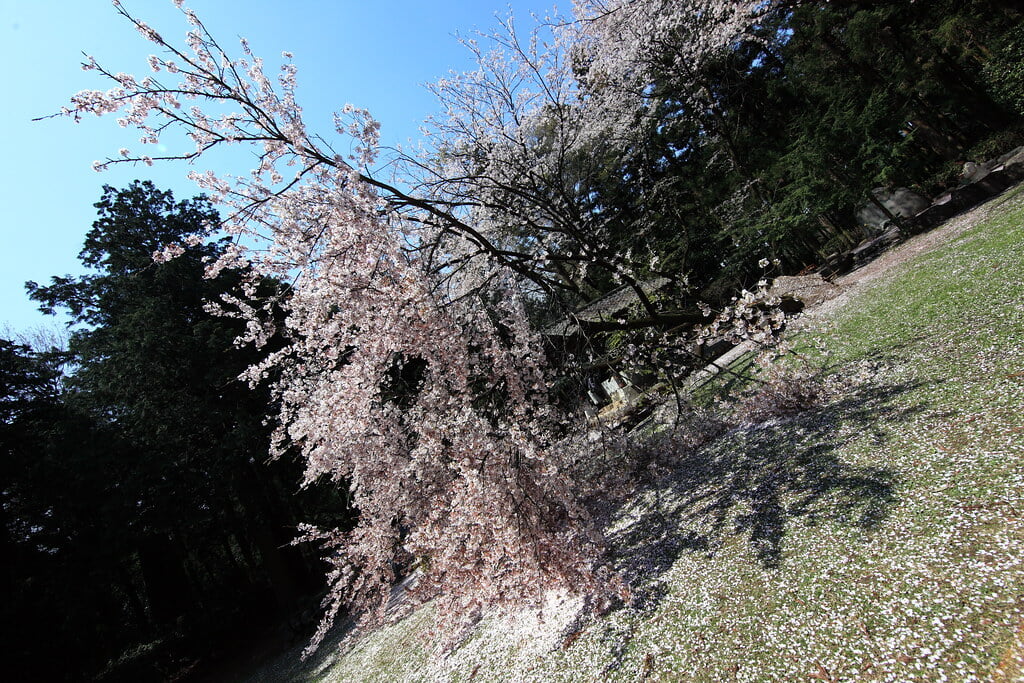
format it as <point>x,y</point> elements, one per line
<point>154,476</point>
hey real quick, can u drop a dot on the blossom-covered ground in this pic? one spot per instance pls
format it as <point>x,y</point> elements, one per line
<point>879,537</point>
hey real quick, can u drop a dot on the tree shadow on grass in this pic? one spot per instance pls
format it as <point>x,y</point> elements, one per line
<point>751,483</point>
<point>756,482</point>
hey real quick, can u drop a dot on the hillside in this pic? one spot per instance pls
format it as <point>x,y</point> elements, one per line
<point>877,537</point>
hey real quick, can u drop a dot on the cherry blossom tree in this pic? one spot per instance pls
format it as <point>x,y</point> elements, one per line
<point>431,407</point>
<point>642,57</point>
<point>410,372</point>
<point>508,152</point>
<point>534,142</point>
<point>536,145</point>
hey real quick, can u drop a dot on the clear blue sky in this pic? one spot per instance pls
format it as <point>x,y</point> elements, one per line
<point>375,54</point>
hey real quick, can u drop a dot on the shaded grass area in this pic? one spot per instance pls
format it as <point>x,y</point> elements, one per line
<point>879,537</point>
<point>756,483</point>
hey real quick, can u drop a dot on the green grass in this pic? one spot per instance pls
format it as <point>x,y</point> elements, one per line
<point>877,538</point>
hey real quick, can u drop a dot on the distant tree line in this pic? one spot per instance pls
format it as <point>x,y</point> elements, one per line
<point>143,523</point>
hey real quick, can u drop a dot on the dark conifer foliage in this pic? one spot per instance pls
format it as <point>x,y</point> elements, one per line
<point>145,520</point>
<point>769,147</point>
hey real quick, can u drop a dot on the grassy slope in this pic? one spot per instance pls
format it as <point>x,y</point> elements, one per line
<point>878,538</point>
